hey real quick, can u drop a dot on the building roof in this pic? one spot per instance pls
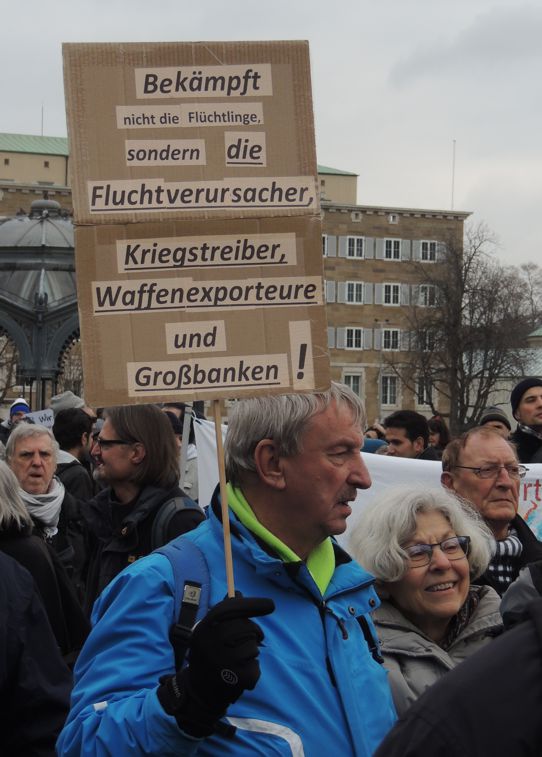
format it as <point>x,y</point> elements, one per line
<point>334,171</point>
<point>33,144</point>
<point>44,227</point>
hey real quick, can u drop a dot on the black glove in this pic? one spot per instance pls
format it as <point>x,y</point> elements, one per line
<point>222,663</point>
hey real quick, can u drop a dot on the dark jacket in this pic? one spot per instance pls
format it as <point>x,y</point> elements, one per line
<point>429,453</point>
<point>529,447</point>
<point>34,681</point>
<point>71,540</point>
<point>532,551</point>
<point>76,479</point>
<point>64,612</point>
<point>488,705</point>
<point>120,534</point>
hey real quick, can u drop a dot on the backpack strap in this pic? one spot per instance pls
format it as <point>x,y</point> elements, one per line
<point>191,594</point>
<point>164,517</point>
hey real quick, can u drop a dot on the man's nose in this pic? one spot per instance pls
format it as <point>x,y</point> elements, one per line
<point>504,478</point>
<point>36,459</point>
<point>359,475</point>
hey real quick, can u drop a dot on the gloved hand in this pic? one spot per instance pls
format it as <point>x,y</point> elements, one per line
<point>222,663</point>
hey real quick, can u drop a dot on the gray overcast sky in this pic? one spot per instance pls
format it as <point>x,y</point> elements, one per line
<point>395,82</point>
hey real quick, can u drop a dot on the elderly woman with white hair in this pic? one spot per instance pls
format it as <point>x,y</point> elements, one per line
<point>424,547</point>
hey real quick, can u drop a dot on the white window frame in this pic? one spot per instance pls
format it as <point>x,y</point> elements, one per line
<point>424,392</point>
<point>394,294</point>
<point>357,244</point>
<point>353,334</point>
<point>388,396</point>
<point>393,339</point>
<point>428,295</point>
<point>354,292</point>
<point>426,340</point>
<point>395,249</point>
<point>428,251</point>
<point>351,378</point>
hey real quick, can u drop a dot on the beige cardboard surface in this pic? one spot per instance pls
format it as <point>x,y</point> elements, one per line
<point>197,330</point>
<point>190,130</point>
<point>198,235</point>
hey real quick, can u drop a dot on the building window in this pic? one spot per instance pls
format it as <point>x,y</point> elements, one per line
<point>429,251</point>
<point>426,341</point>
<point>324,245</point>
<point>393,218</point>
<point>46,164</point>
<point>428,295</point>
<point>390,339</point>
<point>6,161</point>
<point>354,292</point>
<point>354,247</point>
<point>389,390</point>
<point>392,249</point>
<point>392,294</point>
<point>354,339</point>
<point>353,380</point>
<point>424,391</point>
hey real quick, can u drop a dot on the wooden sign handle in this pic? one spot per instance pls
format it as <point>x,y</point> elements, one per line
<point>223,498</point>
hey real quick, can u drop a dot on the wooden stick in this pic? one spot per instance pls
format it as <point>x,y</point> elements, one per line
<point>223,498</point>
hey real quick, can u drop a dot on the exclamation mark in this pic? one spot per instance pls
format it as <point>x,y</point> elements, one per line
<point>302,356</point>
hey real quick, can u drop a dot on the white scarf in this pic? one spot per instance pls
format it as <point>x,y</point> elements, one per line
<point>45,508</point>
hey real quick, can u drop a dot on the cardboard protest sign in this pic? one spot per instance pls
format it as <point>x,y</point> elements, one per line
<point>198,239</point>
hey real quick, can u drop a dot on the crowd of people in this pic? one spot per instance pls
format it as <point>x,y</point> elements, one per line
<point>120,631</point>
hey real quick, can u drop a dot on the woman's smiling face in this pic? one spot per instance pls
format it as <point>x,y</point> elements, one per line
<point>430,595</point>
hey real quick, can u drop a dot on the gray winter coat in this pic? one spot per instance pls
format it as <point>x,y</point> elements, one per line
<point>415,662</point>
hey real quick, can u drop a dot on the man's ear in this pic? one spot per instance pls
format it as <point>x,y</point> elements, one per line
<point>138,453</point>
<point>419,444</point>
<point>268,464</point>
<point>446,479</point>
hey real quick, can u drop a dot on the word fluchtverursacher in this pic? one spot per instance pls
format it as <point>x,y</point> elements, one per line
<point>156,194</point>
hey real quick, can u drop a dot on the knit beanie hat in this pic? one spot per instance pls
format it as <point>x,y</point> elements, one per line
<point>494,413</point>
<point>519,390</point>
<point>65,401</point>
<point>19,406</point>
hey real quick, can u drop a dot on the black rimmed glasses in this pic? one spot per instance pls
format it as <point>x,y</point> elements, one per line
<point>455,548</point>
<point>492,471</point>
<point>108,443</point>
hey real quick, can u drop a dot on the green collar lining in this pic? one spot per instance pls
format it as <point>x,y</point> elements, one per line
<point>321,561</point>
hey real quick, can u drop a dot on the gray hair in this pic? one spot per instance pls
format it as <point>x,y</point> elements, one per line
<point>281,417</point>
<point>24,431</point>
<point>12,507</point>
<point>389,521</point>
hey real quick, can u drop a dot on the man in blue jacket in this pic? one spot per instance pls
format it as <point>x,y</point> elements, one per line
<point>305,679</point>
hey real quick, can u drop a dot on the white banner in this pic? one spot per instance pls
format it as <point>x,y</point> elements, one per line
<point>385,472</point>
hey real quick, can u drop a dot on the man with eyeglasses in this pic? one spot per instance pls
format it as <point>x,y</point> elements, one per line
<point>135,454</point>
<point>482,468</point>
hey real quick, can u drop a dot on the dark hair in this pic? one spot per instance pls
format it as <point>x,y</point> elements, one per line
<point>149,426</point>
<point>70,425</point>
<point>181,407</point>
<point>378,432</point>
<point>437,425</point>
<point>415,425</point>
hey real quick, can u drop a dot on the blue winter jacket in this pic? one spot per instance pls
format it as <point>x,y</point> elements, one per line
<point>320,692</point>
